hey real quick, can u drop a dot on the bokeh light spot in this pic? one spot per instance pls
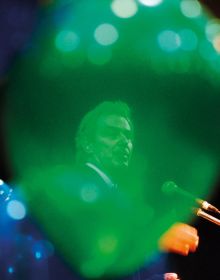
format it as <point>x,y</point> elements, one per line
<point>151,3</point>
<point>169,40</point>
<point>16,210</point>
<point>1,182</point>
<point>42,249</point>
<point>89,193</point>
<point>189,40</point>
<point>10,270</point>
<point>191,9</point>
<point>124,8</point>
<point>106,34</point>
<point>67,41</point>
<point>108,244</point>
<point>38,255</point>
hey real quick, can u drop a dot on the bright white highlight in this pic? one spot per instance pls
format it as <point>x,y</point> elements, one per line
<point>106,34</point>
<point>124,8</point>
<point>16,210</point>
<point>151,3</point>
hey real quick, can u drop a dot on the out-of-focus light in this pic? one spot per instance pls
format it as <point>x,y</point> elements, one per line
<point>108,244</point>
<point>99,55</point>
<point>151,3</point>
<point>189,40</point>
<point>38,255</point>
<point>212,29</point>
<point>106,34</point>
<point>42,249</point>
<point>169,40</point>
<point>216,43</point>
<point>10,269</point>
<point>89,193</point>
<point>16,210</point>
<point>67,41</point>
<point>124,8</point>
<point>1,182</point>
<point>191,9</point>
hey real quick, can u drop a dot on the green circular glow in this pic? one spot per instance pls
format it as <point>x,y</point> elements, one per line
<point>106,34</point>
<point>108,244</point>
<point>169,40</point>
<point>124,8</point>
<point>67,41</point>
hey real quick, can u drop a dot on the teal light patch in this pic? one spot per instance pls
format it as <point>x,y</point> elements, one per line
<point>206,51</point>
<point>189,40</point>
<point>89,193</point>
<point>169,40</point>
<point>67,41</point>
<point>38,255</point>
<point>10,270</point>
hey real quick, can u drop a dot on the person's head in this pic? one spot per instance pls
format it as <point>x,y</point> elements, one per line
<point>105,136</point>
